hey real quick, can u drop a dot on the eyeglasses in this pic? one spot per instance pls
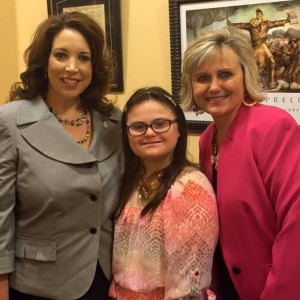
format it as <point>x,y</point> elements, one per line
<point>158,126</point>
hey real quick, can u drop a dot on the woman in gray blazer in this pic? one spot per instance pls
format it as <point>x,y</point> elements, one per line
<point>60,166</point>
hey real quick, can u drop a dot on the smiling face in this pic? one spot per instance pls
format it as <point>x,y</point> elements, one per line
<point>69,66</point>
<point>153,148</point>
<point>218,86</point>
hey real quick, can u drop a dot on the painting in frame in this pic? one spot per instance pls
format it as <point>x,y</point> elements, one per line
<point>107,14</point>
<point>280,83</point>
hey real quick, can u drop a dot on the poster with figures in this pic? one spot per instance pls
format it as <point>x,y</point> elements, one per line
<point>273,28</point>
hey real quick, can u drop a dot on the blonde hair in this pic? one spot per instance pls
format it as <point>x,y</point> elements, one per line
<point>204,48</point>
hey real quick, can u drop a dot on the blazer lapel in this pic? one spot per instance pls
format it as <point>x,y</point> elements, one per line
<point>42,131</point>
<point>107,134</point>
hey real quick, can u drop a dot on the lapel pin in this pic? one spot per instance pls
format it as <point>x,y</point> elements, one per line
<point>105,124</point>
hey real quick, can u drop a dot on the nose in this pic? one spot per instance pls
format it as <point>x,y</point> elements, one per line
<point>71,66</point>
<point>215,85</point>
<point>150,131</point>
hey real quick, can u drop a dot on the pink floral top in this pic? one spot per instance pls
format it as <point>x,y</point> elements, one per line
<point>168,256</point>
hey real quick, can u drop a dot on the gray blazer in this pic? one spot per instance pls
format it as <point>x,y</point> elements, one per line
<point>56,200</point>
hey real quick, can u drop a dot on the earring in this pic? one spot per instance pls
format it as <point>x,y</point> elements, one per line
<point>198,110</point>
<point>247,101</point>
<point>46,75</point>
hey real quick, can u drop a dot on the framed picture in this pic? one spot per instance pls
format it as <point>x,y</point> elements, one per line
<point>280,75</point>
<point>107,14</point>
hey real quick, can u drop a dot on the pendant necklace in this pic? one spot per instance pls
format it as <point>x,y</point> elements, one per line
<point>214,158</point>
<point>146,189</point>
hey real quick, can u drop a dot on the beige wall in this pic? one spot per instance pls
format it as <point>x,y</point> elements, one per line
<point>8,49</point>
<point>145,39</point>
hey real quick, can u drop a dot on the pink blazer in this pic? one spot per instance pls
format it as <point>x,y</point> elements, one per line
<point>258,198</point>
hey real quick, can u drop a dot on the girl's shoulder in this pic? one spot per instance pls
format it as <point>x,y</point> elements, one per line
<point>192,177</point>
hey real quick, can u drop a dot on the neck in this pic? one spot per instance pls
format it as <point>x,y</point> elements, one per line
<point>155,166</point>
<point>223,123</point>
<point>67,111</point>
<point>62,106</point>
<point>220,134</point>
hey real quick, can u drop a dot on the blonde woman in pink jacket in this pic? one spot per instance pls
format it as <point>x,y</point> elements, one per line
<point>251,153</point>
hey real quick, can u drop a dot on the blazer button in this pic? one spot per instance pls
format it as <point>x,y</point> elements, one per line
<point>236,270</point>
<point>93,197</point>
<point>93,230</point>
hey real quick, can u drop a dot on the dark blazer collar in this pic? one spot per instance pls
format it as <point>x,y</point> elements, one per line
<point>42,131</point>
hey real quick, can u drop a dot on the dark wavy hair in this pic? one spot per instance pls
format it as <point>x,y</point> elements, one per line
<point>133,164</point>
<point>36,56</point>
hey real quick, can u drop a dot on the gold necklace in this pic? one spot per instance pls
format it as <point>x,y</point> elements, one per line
<point>146,189</point>
<point>214,158</point>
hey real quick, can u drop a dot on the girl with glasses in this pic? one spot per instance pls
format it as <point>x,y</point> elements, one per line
<point>167,225</point>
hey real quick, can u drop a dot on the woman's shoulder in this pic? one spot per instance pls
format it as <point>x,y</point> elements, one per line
<point>267,120</point>
<point>13,107</point>
<point>8,119</point>
<point>271,114</point>
<point>10,106</point>
<point>9,111</point>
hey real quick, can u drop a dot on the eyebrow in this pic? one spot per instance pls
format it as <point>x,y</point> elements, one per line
<point>81,52</point>
<point>220,70</point>
<point>154,120</point>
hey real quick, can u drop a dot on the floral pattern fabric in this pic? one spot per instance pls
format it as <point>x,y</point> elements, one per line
<point>167,255</point>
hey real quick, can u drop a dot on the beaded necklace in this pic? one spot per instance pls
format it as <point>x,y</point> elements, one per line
<point>83,119</point>
<point>78,122</point>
